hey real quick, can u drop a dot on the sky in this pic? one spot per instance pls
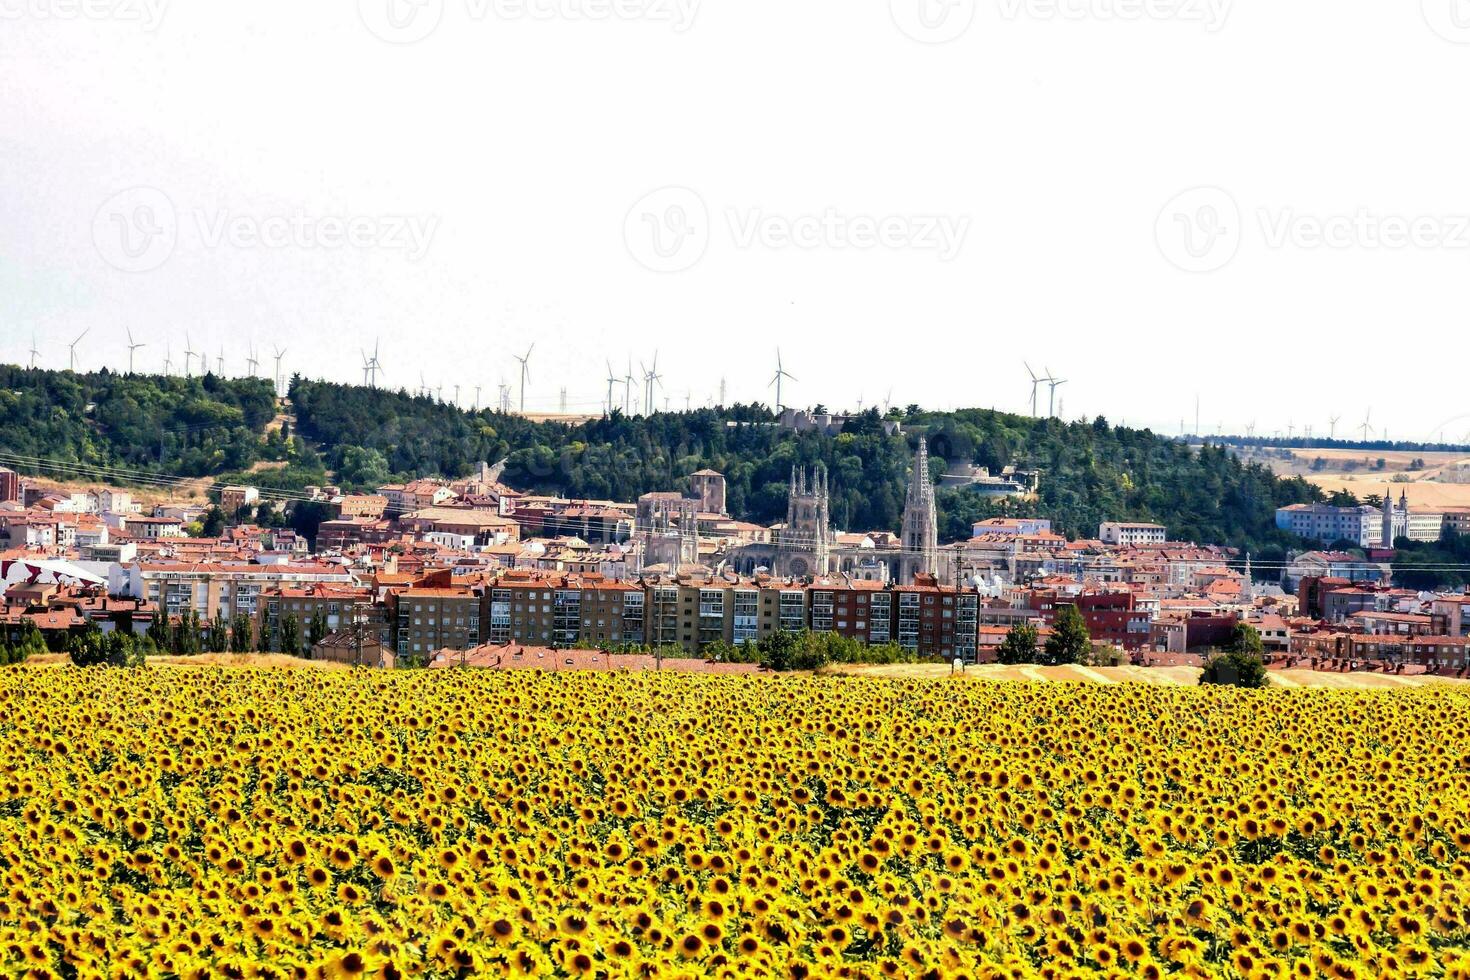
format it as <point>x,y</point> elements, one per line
<point>1261,206</point>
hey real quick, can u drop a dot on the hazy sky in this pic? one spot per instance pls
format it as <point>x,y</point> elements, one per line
<point>1262,203</point>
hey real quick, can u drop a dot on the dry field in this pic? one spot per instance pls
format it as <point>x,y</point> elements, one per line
<point>1158,676</point>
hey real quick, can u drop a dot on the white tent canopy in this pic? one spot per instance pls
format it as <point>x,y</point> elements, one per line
<point>45,571</point>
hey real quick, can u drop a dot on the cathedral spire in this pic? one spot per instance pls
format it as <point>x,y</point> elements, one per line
<point>920,537</point>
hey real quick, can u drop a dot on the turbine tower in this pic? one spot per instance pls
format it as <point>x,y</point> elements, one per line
<point>73,348</point>
<point>781,373</point>
<point>1036,382</point>
<point>280,353</point>
<point>220,362</point>
<point>612,382</point>
<point>189,354</point>
<point>1367,425</point>
<point>372,365</point>
<point>1333,426</point>
<point>132,347</point>
<point>1055,383</point>
<point>168,358</point>
<point>653,378</point>
<point>253,362</point>
<point>628,388</point>
<point>525,374</point>
<point>34,352</point>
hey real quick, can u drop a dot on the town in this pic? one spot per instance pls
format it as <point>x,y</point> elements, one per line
<point>472,572</point>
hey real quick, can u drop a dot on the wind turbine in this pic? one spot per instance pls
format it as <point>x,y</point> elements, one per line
<point>34,353</point>
<point>477,397</point>
<point>612,382</point>
<point>73,348</point>
<point>220,362</point>
<point>132,346</point>
<point>372,365</point>
<point>190,353</point>
<point>280,353</point>
<point>168,358</point>
<point>1334,421</point>
<point>1055,384</point>
<point>654,379</point>
<point>367,366</point>
<point>628,388</point>
<point>781,372</point>
<point>525,374</point>
<point>456,396</point>
<point>1036,382</point>
<point>1367,424</point>
<point>253,361</point>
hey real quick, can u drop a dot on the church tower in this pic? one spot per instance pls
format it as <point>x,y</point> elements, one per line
<point>1387,537</point>
<point>920,538</point>
<point>804,546</point>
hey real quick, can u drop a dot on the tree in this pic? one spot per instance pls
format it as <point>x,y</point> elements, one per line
<point>778,651</point>
<point>160,633</point>
<point>213,524</point>
<point>1235,670</point>
<point>1246,639</point>
<point>290,634</point>
<point>1019,646</point>
<point>187,637</point>
<point>217,636</point>
<point>242,634</point>
<point>94,648</point>
<point>316,630</point>
<point>1069,642</point>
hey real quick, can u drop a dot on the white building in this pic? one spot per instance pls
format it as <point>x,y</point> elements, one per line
<point>1131,535</point>
<point>1363,526</point>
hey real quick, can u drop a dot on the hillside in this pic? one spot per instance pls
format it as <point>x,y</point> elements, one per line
<point>362,437</point>
<point>195,427</point>
<point>1092,471</point>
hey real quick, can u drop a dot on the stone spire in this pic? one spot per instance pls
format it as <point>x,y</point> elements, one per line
<point>920,537</point>
<point>1387,520</point>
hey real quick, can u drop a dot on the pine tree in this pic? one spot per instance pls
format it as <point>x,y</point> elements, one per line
<point>1069,642</point>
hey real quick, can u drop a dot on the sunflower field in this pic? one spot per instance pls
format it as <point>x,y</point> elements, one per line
<point>196,822</point>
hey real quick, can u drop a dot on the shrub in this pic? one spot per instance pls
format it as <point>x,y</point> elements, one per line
<point>1235,669</point>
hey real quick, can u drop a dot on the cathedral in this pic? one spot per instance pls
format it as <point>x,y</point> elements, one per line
<point>920,538</point>
<point>804,545</point>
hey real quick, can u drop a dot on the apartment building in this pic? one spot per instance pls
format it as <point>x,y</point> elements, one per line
<point>1132,535</point>
<point>563,611</point>
<point>216,590</point>
<point>430,619</point>
<point>1363,526</point>
<point>338,606</point>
